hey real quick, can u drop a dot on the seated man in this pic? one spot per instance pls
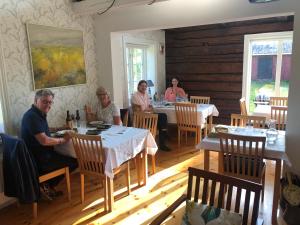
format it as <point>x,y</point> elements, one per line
<point>35,133</point>
<point>141,99</point>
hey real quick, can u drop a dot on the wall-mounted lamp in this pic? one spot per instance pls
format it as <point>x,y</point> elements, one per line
<point>161,48</point>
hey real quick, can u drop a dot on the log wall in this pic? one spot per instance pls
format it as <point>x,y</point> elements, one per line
<point>208,59</point>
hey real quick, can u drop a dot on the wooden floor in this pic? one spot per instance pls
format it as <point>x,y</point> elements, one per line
<point>140,207</point>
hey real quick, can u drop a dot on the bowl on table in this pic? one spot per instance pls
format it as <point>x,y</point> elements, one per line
<point>95,123</point>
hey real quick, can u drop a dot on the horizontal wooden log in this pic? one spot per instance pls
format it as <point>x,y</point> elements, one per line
<point>207,50</point>
<point>221,58</point>
<point>204,68</point>
<point>208,77</point>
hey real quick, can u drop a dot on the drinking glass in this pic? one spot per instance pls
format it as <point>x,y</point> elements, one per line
<point>82,127</point>
<point>271,133</point>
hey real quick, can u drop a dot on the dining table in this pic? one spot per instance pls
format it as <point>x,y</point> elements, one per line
<point>273,151</point>
<point>204,110</point>
<point>120,145</point>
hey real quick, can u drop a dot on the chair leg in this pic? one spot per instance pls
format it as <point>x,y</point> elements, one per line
<point>128,178</point>
<point>263,188</point>
<point>82,187</point>
<point>67,175</point>
<point>34,210</point>
<point>179,133</point>
<point>153,164</point>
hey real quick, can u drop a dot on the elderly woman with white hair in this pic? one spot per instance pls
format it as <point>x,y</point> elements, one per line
<point>107,111</point>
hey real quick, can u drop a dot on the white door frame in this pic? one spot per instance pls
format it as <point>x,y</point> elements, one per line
<point>248,59</point>
<point>4,94</point>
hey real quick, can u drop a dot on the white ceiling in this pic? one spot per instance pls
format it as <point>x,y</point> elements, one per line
<point>88,7</point>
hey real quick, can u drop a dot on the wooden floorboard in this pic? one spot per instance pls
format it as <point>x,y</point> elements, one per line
<point>140,207</point>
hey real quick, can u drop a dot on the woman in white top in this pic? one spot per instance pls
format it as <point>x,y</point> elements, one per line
<point>141,98</point>
<point>107,111</point>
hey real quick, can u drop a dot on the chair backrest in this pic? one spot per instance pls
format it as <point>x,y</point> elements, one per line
<point>279,101</point>
<point>279,113</point>
<point>136,108</point>
<point>186,116</point>
<point>242,120</point>
<point>200,99</point>
<point>20,173</point>
<point>124,116</point>
<point>89,114</point>
<point>243,106</point>
<point>146,121</point>
<point>238,120</point>
<point>212,192</point>
<point>90,154</point>
<point>242,155</point>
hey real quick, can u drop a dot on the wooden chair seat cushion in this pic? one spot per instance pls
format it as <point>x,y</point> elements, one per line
<point>201,214</point>
<point>247,160</point>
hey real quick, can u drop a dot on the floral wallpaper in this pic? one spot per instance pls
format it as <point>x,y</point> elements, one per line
<point>14,14</point>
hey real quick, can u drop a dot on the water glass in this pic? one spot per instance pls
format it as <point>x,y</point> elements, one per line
<point>82,127</point>
<point>271,135</point>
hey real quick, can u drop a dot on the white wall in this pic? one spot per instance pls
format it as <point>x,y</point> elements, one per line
<point>118,42</point>
<point>16,62</point>
<point>180,13</point>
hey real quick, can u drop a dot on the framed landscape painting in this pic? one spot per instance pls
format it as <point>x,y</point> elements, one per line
<point>57,56</point>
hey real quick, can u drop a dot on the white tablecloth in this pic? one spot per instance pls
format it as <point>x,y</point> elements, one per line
<point>262,110</point>
<point>120,144</point>
<point>204,111</point>
<point>272,151</point>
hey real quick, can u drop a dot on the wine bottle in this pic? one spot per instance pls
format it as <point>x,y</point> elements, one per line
<point>77,118</point>
<point>69,121</point>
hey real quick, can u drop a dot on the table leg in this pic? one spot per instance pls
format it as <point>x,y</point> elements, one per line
<point>138,168</point>
<point>145,166</point>
<point>276,191</point>
<point>110,194</point>
<point>206,159</point>
<point>220,162</point>
<point>210,123</point>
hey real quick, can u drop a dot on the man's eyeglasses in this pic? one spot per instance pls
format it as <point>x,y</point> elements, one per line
<point>45,102</point>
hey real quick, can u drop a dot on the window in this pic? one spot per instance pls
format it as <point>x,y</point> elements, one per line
<point>267,67</point>
<point>136,63</point>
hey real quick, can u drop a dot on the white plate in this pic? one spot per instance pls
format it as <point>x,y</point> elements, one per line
<point>96,122</point>
<point>61,132</point>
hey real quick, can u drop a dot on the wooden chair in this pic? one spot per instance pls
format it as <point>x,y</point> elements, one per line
<point>242,156</point>
<point>243,107</point>
<point>279,113</point>
<point>209,188</point>
<point>187,119</point>
<point>200,99</point>
<point>89,114</point>
<point>91,160</point>
<point>63,171</point>
<point>241,120</point>
<point>237,120</point>
<point>124,116</point>
<point>21,149</point>
<point>136,108</point>
<point>147,121</point>
<point>279,101</point>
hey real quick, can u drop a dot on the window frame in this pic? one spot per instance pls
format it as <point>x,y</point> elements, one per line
<point>247,62</point>
<point>144,64</point>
